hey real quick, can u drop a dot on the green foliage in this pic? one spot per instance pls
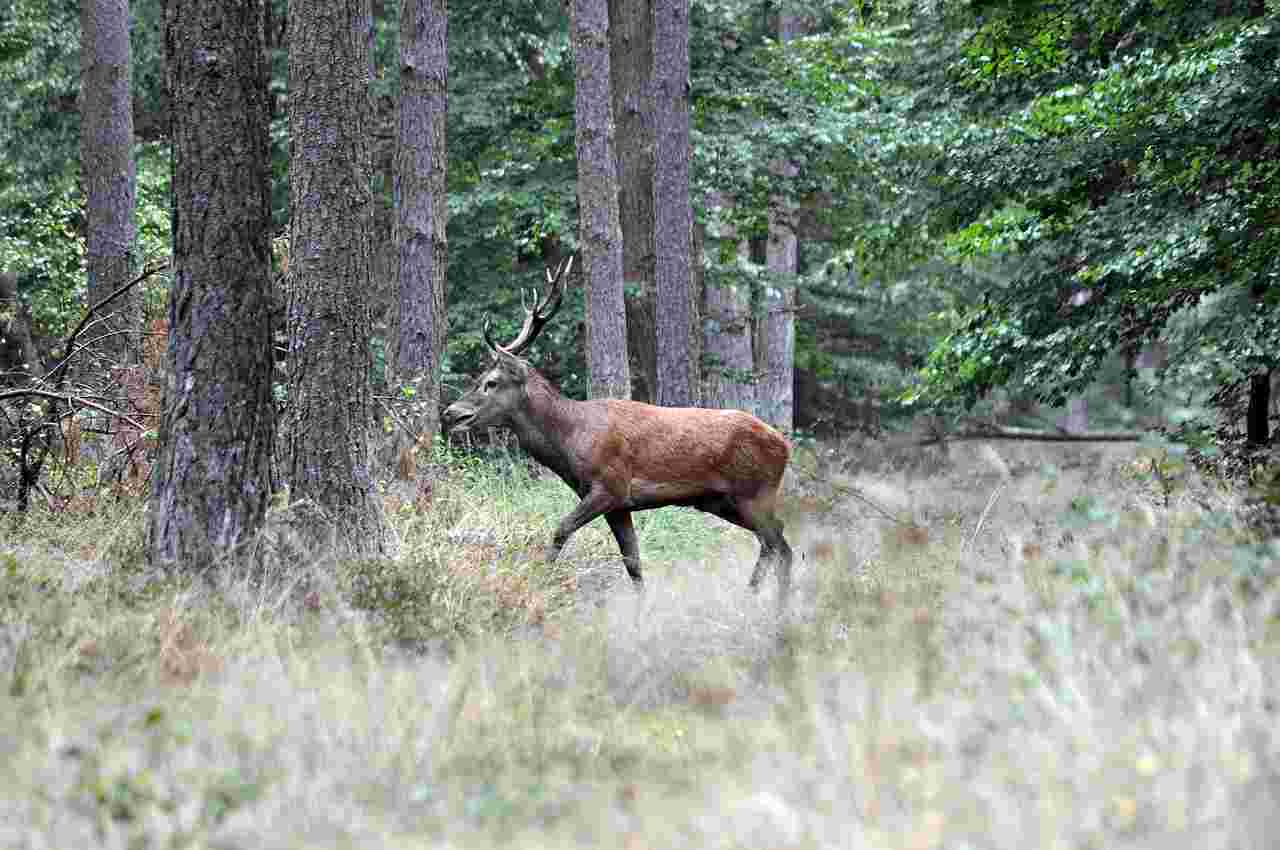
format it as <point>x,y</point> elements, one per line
<point>996,193</point>
<point>40,242</point>
<point>1111,196</point>
<point>40,75</point>
<point>41,201</point>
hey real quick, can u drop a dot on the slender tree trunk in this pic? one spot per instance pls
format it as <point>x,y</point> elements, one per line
<point>212,479</point>
<point>776,346</point>
<point>728,364</point>
<point>630,64</point>
<point>107,167</point>
<point>775,350</point>
<point>677,332</point>
<point>601,233</point>
<point>330,422</point>
<point>421,207</point>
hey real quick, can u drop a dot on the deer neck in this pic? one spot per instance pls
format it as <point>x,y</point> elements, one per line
<point>544,425</point>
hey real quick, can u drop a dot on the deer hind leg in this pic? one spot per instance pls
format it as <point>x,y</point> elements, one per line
<point>625,533</point>
<point>757,516</point>
<point>760,517</point>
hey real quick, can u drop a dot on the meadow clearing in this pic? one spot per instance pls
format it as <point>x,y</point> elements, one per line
<point>1044,647</point>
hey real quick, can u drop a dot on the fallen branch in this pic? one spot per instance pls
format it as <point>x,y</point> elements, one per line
<point>1001,433</point>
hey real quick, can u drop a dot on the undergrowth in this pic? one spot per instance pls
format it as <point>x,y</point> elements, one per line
<point>1018,648</point>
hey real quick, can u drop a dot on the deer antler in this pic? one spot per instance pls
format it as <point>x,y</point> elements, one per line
<point>544,309</point>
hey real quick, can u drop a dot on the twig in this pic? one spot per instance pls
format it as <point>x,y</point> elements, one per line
<point>399,422</point>
<point>857,494</point>
<point>73,400</point>
<point>995,494</point>
<point>89,314</point>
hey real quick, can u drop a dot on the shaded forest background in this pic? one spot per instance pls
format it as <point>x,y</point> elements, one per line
<point>998,204</point>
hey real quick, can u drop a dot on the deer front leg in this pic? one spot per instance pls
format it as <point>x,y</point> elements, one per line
<point>596,502</point>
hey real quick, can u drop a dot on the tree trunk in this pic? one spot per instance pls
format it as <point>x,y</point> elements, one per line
<point>776,345</point>
<point>775,350</point>
<point>421,208</point>
<point>1258,417</point>
<point>107,168</point>
<point>677,332</point>
<point>601,234</point>
<point>630,64</point>
<point>728,370</point>
<point>212,480</point>
<point>330,420</point>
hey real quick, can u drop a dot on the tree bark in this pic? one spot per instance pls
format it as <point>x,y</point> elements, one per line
<point>212,481</point>
<point>728,369</point>
<point>330,422</point>
<point>107,168</point>
<point>630,64</point>
<point>421,207</point>
<point>776,346</point>
<point>600,237</point>
<point>677,332</point>
<point>775,349</point>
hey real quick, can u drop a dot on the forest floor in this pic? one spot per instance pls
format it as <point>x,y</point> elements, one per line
<point>1045,648</point>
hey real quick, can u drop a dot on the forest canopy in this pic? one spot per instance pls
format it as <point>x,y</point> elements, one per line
<point>1013,197</point>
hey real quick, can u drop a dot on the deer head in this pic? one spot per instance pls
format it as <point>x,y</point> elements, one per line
<point>500,388</point>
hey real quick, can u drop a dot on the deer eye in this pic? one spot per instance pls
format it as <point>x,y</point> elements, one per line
<point>489,384</point>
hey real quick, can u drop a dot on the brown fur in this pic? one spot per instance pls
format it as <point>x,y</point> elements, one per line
<point>623,456</point>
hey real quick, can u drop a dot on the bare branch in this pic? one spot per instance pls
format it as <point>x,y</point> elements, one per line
<point>73,400</point>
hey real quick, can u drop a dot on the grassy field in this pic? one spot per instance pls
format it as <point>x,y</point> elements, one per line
<point>1047,649</point>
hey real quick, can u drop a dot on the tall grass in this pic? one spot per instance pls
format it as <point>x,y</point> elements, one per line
<point>1039,653</point>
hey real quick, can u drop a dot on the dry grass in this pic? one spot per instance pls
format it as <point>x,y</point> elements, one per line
<point>1041,654</point>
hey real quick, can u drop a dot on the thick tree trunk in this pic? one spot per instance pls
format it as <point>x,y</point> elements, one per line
<point>601,234</point>
<point>212,479</point>
<point>330,422</point>
<point>728,370</point>
<point>107,168</point>
<point>421,208</point>
<point>630,64</point>
<point>677,332</point>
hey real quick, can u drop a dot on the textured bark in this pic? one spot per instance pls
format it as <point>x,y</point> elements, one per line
<point>601,234</point>
<point>212,481</point>
<point>107,168</point>
<point>421,207</point>
<point>330,422</point>
<point>677,333</point>
<point>630,64</point>
<point>728,370</point>
<point>776,344</point>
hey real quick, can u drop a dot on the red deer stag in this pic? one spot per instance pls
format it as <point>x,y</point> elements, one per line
<point>623,456</point>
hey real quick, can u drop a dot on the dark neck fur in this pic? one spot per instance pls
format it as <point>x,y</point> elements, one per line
<point>543,424</point>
